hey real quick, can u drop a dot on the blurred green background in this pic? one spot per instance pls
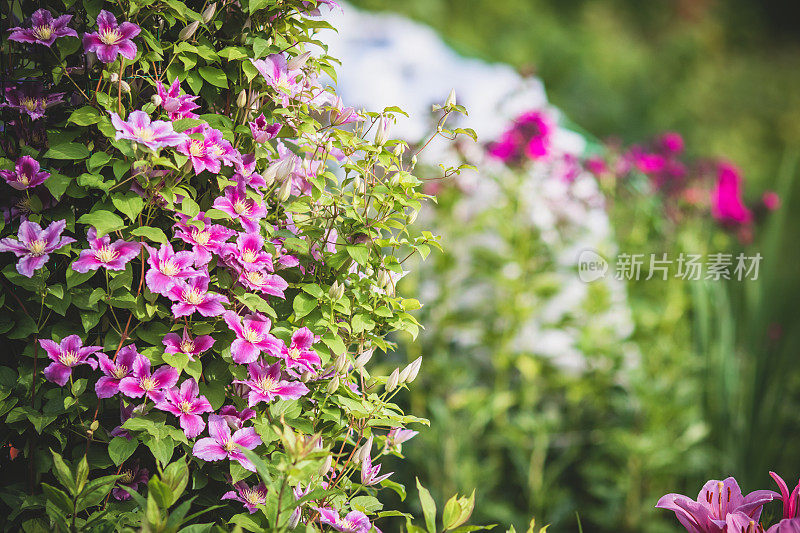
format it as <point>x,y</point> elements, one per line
<point>716,393</point>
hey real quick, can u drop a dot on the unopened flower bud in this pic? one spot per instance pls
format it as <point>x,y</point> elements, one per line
<point>285,191</point>
<point>336,291</point>
<point>364,358</point>
<point>156,100</point>
<point>329,146</point>
<point>393,381</point>
<point>383,278</point>
<point>382,133</point>
<point>188,31</point>
<point>413,161</point>
<point>363,451</point>
<point>241,100</point>
<point>410,372</point>
<point>124,86</point>
<point>298,61</point>
<point>412,217</point>
<point>451,99</point>
<point>341,363</point>
<point>294,519</point>
<point>208,13</point>
<point>333,385</point>
<point>399,149</point>
<point>114,77</point>
<point>95,425</point>
<point>326,465</point>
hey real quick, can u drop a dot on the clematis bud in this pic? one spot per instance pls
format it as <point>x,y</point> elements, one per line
<point>410,372</point>
<point>285,191</point>
<point>333,385</point>
<point>399,149</point>
<point>336,291</point>
<point>364,358</point>
<point>124,86</point>
<point>382,133</point>
<point>363,451</point>
<point>156,100</point>
<point>413,161</point>
<point>241,100</point>
<point>326,465</point>
<point>208,13</point>
<point>393,381</point>
<point>188,31</point>
<point>294,519</point>
<point>114,77</point>
<point>451,99</point>
<point>94,426</point>
<point>383,278</point>
<point>412,217</point>
<point>298,61</point>
<point>341,363</point>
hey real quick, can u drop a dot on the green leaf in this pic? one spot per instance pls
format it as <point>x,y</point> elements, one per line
<point>57,184</point>
<point>214,76</point>
<point>428,507</point>
<point>120,449</point>
<point>76,278</point>
<point>68,151</point>
<point>130,203</point>
<point>62,472</point>
<point>85,116</point>
<point>360,254</point>
<point>150,233</point>
<point>303,304</point>
<point>255,5</point>
<point>162,448</point>
<point>103,221</point>
<point>189,207</point>
<point>59,498</point>
<point>184,124</point>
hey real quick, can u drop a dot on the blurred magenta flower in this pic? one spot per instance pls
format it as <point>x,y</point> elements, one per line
<point>771,200</point>
<point>716,501</point>
<point>34,245</point>
<point>111,39</point>
<point>187,405</point>
<point>266,384</point>
<point>178,106</point>
<point>671,142</point>
<point>65,356</point>
<point>43,29</point>
<point>115,371</point>
<point>251,497</point>
<point>221,444</point>
<point>529,137</point>
<point>726,197</point>
<point>103,253</point>
<point>29,98</point>
<point>142,382</point>
<point>26,174</point>
<point>139,129</point>
<point>187,345</point>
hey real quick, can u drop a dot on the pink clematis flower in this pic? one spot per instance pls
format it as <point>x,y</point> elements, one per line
<point>248,253</point>
<point>187,345</point>
<point>187,406</point>
<point>111,39</point>
<point>65,356</point>
<point>142,382</point>
<point>26,174</point>
<point>354,522</point>
<point>193,296</point>
<point>397,436</point>
<point>221,444</point>
<point>236,419</point>
<point>263,132</point>
<point>103,253</point>
<point>131,478</point>
<point>208,152</point>
<point>262,282</point>
<point>251,497</point>
<point>115,371</point>
<point>726,198</point>
<point>266,384</point>
<point>139,129</point>
<point>791,502</point>
<point>299,353</point>
<point>369,473</point>
<point>43,29</point>
<point>252,336</point>
<point>716,501</point>
<point>340,115</point>
<point>239,207</point>
<point>204,241</point>
<point>30,99</point>
<point>173,103</point>
<point>275,69</point>
<point>34,245</point>
<point>167,267</point>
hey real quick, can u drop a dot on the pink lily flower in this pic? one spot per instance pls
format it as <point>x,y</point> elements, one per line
<point>111,39</point>
<point>276,72</point>
<point>26,174</point>
<point>103,253</point>
<point>787,525</point>
<point>236,419</point>
<point>262,282</point>
<point>716,501</point>
<point>168,266</point>
<point>252,336</point>
<point>354,522</point>
<point>193,296</point>
<point>221,444</point>
<point>187,405</point>
<point>43,29</point>
<point>369,473</point>
<point>204,241</point>
<point>251,497</point>
<point>139,129</point>
<point>173,103</point>
<point>115,371</point>
<point>791,502</point>
<point>34,245</point>
<point>187,345</point>
<point>65,356</point>
<point>248,253</point>
<point>142,382</point>
<point>239,207</point>
<point>266,384</point>
<point>299,353</point>
<point>263,132</point>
